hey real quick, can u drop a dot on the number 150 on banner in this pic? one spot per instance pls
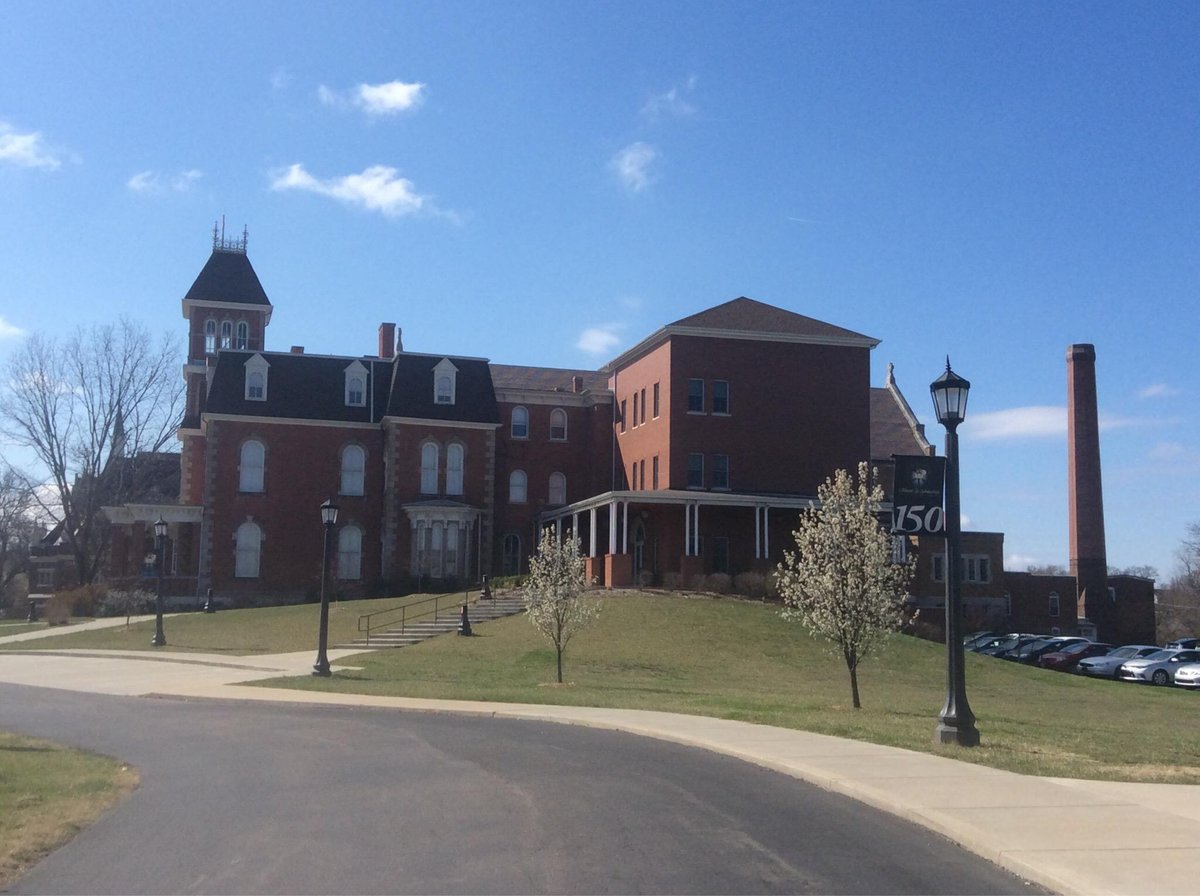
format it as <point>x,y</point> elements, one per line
<point>917,495</point>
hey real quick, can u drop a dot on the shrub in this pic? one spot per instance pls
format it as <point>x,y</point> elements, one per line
<point>750,584</point>
<point>720,583</point>
<point>81,601</point>
<point>134,602</point>
<point>57,610</point>
<point>671,581</point>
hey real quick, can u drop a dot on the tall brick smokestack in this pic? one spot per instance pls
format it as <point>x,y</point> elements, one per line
<point>1089,562</point>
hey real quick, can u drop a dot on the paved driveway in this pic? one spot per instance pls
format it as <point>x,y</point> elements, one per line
<point>270,798</point>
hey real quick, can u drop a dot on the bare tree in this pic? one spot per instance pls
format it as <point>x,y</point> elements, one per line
<point>1177,610</point>
<point>841,582</point>
<point>555,599</point>
<point>82,406</point>
<point>18,529</point>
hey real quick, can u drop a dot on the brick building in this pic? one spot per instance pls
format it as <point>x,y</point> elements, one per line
<point>691,453</point>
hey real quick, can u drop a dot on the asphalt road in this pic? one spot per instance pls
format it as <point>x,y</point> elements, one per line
<point>296,799</point>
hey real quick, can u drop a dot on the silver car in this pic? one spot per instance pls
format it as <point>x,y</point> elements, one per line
<point>1158,668</point>
<point>1188,676</point>
<point>1109,665</point>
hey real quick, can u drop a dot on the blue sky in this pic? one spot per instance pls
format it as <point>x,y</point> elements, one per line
<point>548,183</point>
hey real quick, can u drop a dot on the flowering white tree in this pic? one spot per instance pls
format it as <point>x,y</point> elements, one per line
<point>555,599</point>
<point>841,582</point>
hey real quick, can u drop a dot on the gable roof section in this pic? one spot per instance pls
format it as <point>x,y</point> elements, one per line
<point>894,427</point>
<point>744,318</point>
<point>412,394</point>
<point>228,277</point>
<point>299,387</point>
<point>511,377</point>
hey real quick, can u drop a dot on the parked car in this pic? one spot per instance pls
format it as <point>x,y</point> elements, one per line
<point>1158,668</point>
<point>1188,676</point>
<point>977,639</point>
<point>1004,643</point>
<point>1184,644</point>
<point>1109,665</point>
<point>1029,653</point>
<point>1066,658</point>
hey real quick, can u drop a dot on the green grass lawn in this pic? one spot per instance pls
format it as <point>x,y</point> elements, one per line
<point>739,660</point>
<point>49,793</point>
<point>232,632</point>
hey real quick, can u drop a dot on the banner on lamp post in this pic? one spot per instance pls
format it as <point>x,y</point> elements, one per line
<point>918,487</point>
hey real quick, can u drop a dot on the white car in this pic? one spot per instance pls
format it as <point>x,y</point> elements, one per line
<point>1188,676</point>
<point>1158,668</point>
<point>1109,665</point>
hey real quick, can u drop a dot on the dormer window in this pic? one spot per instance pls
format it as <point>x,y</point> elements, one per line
<point>445,378</point>
<point>356,385</point>
<point>256,378</point>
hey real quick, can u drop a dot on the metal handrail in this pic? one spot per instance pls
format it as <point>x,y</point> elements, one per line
<point>458,599</point>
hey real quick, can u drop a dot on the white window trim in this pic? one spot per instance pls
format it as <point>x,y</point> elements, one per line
<point>728,399</point>
<point>257,364</point>
<point>563,437</point>
<point>445,369</point>
<point>512,428</point>
<point>703,394</point>
<point>361,472</point>
<point>359,371</point>
<point>262,470</point>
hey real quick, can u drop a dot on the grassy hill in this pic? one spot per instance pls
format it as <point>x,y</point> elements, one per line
<point>738,660</point>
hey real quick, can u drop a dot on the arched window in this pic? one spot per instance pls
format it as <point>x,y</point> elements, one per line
<point>558,425</point>
<point>512,555</point>
<point>243,336</point>
<point>520,423</point>
<point>227,334</point>
<point>349,563</point>
<point>517,487</point>
<point>558,488</point>
<point>355,397</point>
<point>249,551</point>
<point>429,468</point>
<point>251,467</point>
<point>354,462</point>
<point>210,336</point>
<point>445,390</point>
<point>454,469</point>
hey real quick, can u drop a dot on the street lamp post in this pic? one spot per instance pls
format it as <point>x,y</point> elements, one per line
<point>160,543</point>
<point>956,723</point>
<point>329,512</point>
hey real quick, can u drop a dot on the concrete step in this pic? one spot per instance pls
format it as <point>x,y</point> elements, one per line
<point>424,629</point>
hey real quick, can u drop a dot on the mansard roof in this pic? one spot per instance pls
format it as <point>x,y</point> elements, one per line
<point>228,277</point>
<point>412,394</point>
<point>298,387</point>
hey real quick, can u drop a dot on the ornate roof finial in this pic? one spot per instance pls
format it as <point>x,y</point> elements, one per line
<point>221,244</point>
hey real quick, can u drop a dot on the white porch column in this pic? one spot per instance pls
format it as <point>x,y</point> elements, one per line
<point>687,530</point>
<point>558,529</point>
<point>625,528</point>
<point>766,528</point>
<point>592,532</point>
<point>696,528</point>
<point>757,533</point>
<point>612,527</point>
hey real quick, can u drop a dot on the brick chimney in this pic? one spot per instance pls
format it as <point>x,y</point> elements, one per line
<point>1089,561</point>
<point>387,341</point>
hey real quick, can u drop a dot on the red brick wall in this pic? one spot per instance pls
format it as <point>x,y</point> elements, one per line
<point>302,469</point>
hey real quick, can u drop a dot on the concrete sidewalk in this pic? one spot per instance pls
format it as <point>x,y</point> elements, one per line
<point>1070,836</point>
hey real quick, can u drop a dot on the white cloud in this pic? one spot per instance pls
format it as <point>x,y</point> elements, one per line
<point>378,188</point>
<point>1018,423</point>
<point>280,78</point>
<point>389,98</point>
<point>9,331</point>
<point>632,166</point>
<point>1157,390</point>
<point>1168,451</point>
<point>672,103</point>
<point>26,150</point>
<point>599,340</point>
<point>1020,561</point>
<point>155,183</point>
